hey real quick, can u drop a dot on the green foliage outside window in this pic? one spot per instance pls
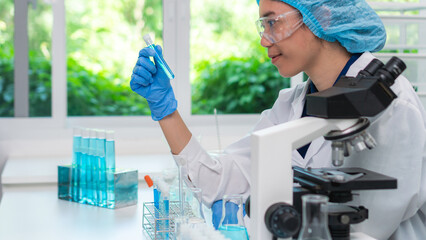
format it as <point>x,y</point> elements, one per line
<point>236,85</point>
<point>235,82</point>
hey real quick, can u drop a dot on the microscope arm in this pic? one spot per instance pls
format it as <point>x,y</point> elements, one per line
<point>271,164</point>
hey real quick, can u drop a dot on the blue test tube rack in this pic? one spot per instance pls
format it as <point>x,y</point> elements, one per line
<point>92,177</point>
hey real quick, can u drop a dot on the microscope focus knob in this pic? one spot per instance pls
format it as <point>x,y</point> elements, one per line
<point>282,220</point>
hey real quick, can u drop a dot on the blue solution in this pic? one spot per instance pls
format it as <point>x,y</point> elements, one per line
<point>83,170</point>
<point>76,165</point>
<point>157,196</point>
<point>89,180</point>
<point>110,168</point>
<point>92,173</point>
<point>166,212</point>
<point>234,232</point>
<point>158,58</point>
<point>102,173</point>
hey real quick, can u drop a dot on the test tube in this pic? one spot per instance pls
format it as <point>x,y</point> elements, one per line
<point>158,57</point>
<point>84,147</point>
<point>102,174</point>
<point>110,167</point>
<point>196,203</point>
<point>157,195</point>
<point>91,169</point>
<point>166,212</point>
<point>164,208</point>
<point>76,164</point>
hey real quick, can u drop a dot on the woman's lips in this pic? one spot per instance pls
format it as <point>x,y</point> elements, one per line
<point>275,58</point>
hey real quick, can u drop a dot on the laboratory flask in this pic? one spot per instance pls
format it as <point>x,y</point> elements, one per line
<point>232,223</point>
<point>194,206</point>
<point>315,218</point>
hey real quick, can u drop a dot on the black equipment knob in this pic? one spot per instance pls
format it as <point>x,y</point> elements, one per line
<point>282,220</point>
<point>247,207</point>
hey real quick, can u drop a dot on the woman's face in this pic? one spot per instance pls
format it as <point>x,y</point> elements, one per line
<point>294,54</point>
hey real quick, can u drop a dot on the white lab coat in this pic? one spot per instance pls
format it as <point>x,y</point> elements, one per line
<point>400,132</point>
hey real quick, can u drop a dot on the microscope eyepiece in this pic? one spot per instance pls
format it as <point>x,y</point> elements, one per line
<point>393,68</point>
<point>371,68</point>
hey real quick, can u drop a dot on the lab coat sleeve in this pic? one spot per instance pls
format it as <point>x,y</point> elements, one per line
<point>400,153</point>
<point>220,174</point>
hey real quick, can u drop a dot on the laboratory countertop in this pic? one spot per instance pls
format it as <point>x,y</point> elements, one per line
<point>30,208</point>
<point>38,214</point>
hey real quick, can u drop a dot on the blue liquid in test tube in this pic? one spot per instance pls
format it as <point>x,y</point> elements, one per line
<point>157,196</point>
<point>91,169</point>
<point>166,212</point>
<point>110,167</point>
<point>158,57</point>
<point>76,165</point>
<point>83,166</point>
<point>102,173</point>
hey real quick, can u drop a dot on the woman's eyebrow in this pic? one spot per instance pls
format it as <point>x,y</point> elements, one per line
<point>267,14</point>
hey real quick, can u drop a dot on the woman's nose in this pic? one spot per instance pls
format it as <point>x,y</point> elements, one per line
<point>265,42</point>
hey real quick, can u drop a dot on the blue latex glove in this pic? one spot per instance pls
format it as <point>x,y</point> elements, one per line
<point>151,82</point>
<point>230,208</point>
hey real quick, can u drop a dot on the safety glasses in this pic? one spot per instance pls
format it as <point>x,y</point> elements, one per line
<point>278,28</point>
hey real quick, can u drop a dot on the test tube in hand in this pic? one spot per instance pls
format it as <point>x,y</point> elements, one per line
<point>158,57</point>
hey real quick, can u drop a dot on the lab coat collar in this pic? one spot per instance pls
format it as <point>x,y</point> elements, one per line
<point>313,149</point>
<point>297,107</point>
<point>299,101</point>
<point>360,64</point>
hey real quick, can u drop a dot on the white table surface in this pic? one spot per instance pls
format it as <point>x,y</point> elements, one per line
<point>38,214</point>
<point>30,208</point>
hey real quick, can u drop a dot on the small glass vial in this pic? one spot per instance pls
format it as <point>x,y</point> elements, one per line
<point>194,200</point>
<point>315,218</point>
<point>158,57</point>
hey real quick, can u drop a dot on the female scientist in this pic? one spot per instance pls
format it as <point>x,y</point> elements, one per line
<point>325,39</point>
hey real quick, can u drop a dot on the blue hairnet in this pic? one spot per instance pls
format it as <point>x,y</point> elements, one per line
<point>353,23</point>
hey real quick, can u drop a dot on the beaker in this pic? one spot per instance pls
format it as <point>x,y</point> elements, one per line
<point>194,206</point>
<point>232,223</point>
<point>315,218</point>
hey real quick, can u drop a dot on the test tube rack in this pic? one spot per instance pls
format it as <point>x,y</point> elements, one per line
<point>124,193</point>
<point>159,227</point>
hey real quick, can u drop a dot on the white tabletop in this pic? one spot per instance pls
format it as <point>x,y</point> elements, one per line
<point>30,208</point>
<point>39,214</point>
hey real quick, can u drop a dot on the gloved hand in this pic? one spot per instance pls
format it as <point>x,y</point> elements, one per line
<point>230,208</point>
<point>151,82</point>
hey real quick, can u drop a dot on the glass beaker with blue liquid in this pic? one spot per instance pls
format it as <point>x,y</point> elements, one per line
<point>232,223</point>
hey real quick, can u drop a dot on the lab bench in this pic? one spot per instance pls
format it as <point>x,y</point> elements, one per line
<point>30,208</point>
